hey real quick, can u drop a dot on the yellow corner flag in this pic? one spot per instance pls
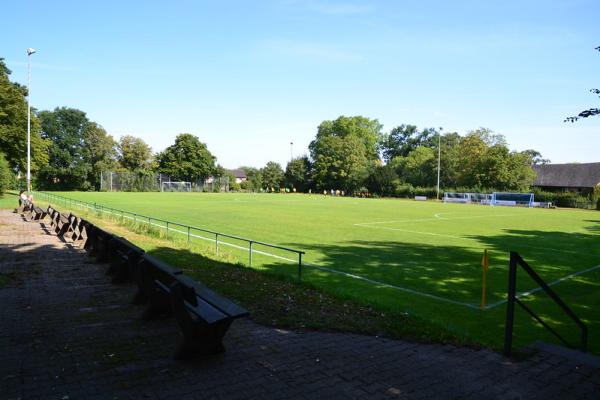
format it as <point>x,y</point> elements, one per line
<point>485,263</point>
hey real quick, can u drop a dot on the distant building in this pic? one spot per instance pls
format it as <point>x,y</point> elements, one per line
<point>240,175</point>
<point>582,178</point>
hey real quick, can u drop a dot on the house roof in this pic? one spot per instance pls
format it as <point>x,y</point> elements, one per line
<point>568,175</point>
<point>238,173</point>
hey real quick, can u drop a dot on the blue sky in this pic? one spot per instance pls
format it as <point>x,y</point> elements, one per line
<point>249,77</point>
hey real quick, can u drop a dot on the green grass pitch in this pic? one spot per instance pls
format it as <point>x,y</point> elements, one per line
<point>423,258</point>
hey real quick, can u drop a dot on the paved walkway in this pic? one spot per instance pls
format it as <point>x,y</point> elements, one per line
<point>67,333</point>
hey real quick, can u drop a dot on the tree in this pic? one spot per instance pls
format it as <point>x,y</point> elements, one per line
<point>382,180</point>
<point>272,176</point>
<point>405,138</point>
<point>339,162</point>
<point>589,112</point>
<point>134,154</point>
<point>368,131</point>
<point>5,174</point>
<point>297,174</point>
<point>13,126</point>
<point>99,152</point>
<point>536,157</point>
<point>188,159</point>
<point>67,169</point>
<point>419,167</point>
<point>254,179</point>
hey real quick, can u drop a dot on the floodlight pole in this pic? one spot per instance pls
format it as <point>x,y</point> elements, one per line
<point>291,151</point>
<point>439,162</point>
<point>30,51</point>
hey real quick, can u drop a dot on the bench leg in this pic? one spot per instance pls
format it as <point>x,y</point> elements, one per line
<point>159,305</point>
<point>202,340</point>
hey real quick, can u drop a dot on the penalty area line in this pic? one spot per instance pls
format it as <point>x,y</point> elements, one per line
<point>538,289</point>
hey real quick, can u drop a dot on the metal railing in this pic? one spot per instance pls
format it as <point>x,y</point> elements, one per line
<point>175,227</point>
<point>515,261</point>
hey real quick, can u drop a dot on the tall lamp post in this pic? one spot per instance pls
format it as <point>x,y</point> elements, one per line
<point>291,150</point>
<point>439,161</point>
<point>30,51</point>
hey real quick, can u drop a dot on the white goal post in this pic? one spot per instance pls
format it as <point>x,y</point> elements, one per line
<point>176,186</point>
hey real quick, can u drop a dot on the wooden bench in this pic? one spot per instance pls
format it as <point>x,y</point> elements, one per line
<point>150,271</point>
<point>203,316</point>
<point>102,245</point>
<point>36,213</point>
<point>62,224</point>
<point>124,257</point>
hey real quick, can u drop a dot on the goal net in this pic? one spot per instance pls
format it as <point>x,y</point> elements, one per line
<point>477,198</point>
<point>512,199</point>
<point>176,186</point>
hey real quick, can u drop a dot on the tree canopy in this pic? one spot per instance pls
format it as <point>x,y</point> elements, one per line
<point>67,168</point>
<point>134,154</point>
<point>13,126</point>
<point>187,159</point>
<point>272,176</point>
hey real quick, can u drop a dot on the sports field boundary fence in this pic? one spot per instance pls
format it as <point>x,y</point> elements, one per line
<point>178,228</point>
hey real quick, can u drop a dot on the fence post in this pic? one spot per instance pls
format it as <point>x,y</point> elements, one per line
<point>217,242</point>
<point>167,229</point>
<point>188,234</point>
<point>510,305</point>
<point>299,267</point>
<point>250,260</point>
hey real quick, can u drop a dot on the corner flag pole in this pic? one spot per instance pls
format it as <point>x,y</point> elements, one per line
<point>485,263</point>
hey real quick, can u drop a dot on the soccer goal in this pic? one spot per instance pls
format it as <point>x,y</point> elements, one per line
<point>176,187</point>
<point>512,199</point>
<point>477,198</point>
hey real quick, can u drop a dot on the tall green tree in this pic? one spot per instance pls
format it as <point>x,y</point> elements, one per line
<point>13,126</point>
<point>134,154</point>
<point>297,174</point>
<point>419,167</point>
<point>368,131</point>
<point>5,174</point>
<point>405,138</point>
<point>187,159</point>
<point>272,176</point>
<point>339,163</point>
<point>99,152</point>
<point>343,151</point>
<point>382,180</point>
<point>67,168</point>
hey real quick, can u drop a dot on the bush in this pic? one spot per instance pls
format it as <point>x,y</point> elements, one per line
<point>565,199</point>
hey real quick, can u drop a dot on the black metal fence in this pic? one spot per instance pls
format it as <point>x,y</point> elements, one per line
<point>515,261</point>
<point>180,229</point>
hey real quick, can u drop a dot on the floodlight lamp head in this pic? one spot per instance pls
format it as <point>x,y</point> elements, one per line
<point>30,51</point>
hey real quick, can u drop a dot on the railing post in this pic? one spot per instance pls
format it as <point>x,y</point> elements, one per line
<point>167,229</point>
<point>217,242</point>
<point>188,234</point>
<point>510,305</point>
<point>250,261</point>
<point>299,267</point>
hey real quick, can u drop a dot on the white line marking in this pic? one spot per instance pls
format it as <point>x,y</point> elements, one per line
<point>436,217</point>
<point>532,291</point>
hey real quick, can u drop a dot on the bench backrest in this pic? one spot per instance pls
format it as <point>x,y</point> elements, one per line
<point>194,292</point>
<point>157,270</point>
